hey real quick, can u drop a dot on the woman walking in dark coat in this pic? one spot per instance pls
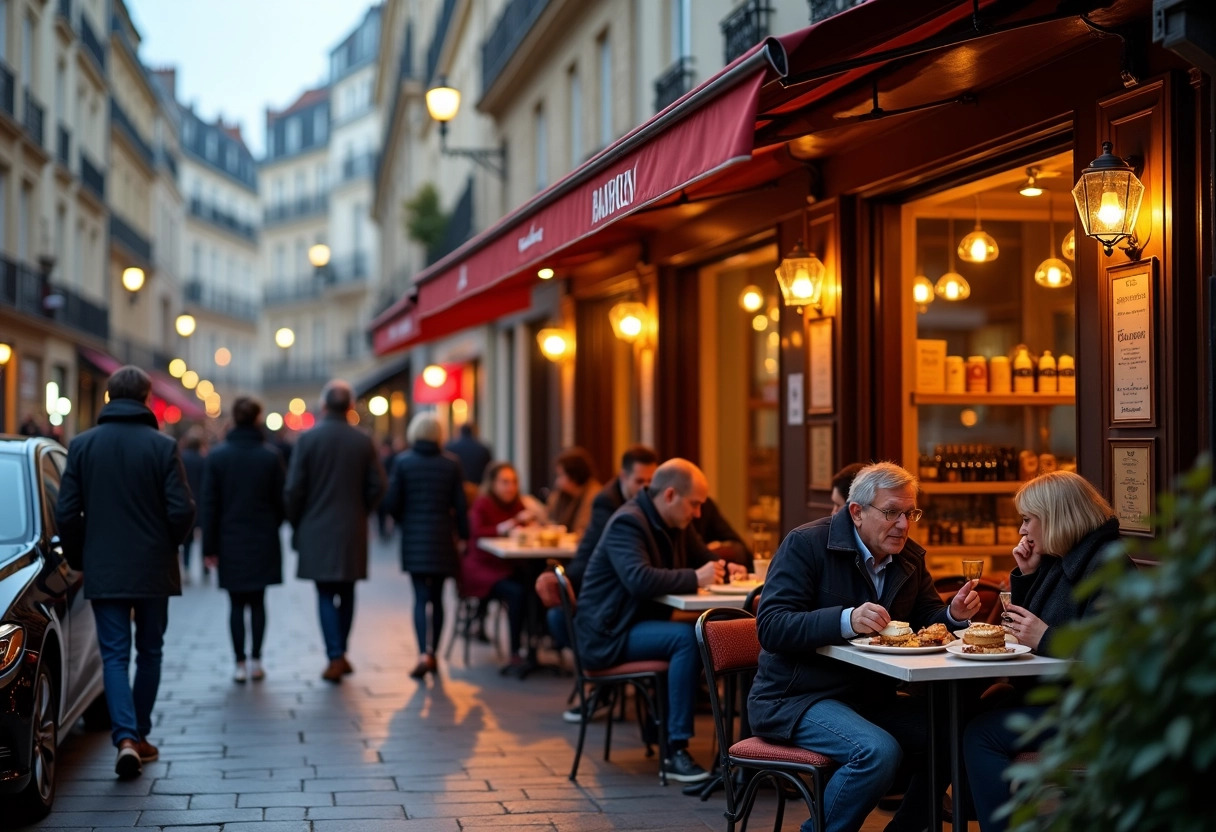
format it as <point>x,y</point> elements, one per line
<point>242,513</point>
<point>426,498</point>
<point>1066,524</point>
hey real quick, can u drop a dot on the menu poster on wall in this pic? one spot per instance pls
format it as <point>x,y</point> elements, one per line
<point>821,468</point>
<point>794,407</point>
<point>1131,303</point>
<point>1132,481</point>
<point>819,342</point>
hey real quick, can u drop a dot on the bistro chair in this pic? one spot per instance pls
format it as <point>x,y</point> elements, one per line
<point>607,686</point>
<point>752,600</point>
<point>467,610</point>
<point>730,651</point>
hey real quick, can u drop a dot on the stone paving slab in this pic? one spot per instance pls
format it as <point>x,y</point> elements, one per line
<point>470,751</point>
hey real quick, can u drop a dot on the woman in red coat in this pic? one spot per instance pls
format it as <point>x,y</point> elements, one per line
<point>495,513</point>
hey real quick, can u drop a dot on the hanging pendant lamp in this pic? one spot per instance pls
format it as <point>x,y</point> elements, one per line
<point>1052,273</point>
<point>979,246</point>
<point>952,285</point>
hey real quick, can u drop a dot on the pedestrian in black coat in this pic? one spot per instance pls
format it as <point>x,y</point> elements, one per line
<point>124,509</point>
<point>242,510</point>
<point>426,497</point>
<point>474,455</point>
<point>193,460</point>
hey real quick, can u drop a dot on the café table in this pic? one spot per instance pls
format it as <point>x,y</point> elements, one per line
<point>508,549</point>
<point>703,600</point>
<point>936,670</point>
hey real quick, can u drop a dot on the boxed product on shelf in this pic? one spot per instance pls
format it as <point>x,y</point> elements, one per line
<point>930,366</point>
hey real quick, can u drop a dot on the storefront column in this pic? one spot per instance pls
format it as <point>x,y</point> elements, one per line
<point>520,446</point>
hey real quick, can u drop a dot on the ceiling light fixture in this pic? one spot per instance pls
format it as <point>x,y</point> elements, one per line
<point>1052,273</point>
<point>1031,188</point>
<point>979,246</point>
<point>952,286</point>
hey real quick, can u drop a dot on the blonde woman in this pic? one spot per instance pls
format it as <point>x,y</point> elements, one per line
<point>1066,524</point>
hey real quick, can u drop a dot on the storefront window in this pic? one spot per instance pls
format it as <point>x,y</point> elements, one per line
<point>992,373</point>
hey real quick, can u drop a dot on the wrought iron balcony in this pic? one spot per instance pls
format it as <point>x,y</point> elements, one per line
<point>145,356</point>
<point>285,372</point>
<point>22,288</point>
<point>92,177</point>
<point>63,146</point>
<point>673,83</point>
<point>348,271</point>
<point>91,43</point>
<point>744,27</point>
<point>169,160</point>
<point>306,206</point>
<point>64,9</point>
<point>822,9</point>
<point>357,167</point>
<point>222,219</point>
<point>512,26</point>
<point>7,91</point>
<point>300,290</point>
<point>201,293</point>
<point>459,227</point>
<point>442,23</point>
<point>119,118</point>
<point>32,117</point>
<point>79,313</point>
<point>129,238</point>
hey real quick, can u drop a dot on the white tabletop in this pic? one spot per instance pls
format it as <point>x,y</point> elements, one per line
<point>506,548</point>
<point>703,600</point>
<point>939,667</point>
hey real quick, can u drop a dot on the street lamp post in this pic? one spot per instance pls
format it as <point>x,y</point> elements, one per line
<point>442,104</point>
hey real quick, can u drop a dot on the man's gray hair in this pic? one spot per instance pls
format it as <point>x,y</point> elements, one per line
<point>336,397</point>
<point>425,427</point>
<point>881,475</point>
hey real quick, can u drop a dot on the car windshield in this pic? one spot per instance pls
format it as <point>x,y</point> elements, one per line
<point>16,517</point>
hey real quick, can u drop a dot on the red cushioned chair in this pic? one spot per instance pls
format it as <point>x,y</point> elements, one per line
<point>607,686</point>
<point>730,651</point>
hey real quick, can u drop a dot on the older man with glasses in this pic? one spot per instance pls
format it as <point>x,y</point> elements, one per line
<point>832,580</point>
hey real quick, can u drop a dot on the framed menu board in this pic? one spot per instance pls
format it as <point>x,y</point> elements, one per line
<point>1132,287</point>
<point>1131,474</point>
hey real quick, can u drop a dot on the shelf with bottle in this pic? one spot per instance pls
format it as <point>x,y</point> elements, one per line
<point>939,551</point>
<point>1010,399</point>
<point>933,487</point>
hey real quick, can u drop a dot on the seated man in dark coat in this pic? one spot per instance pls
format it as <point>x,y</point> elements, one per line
<point>642,555</point>
<point>832,580</point>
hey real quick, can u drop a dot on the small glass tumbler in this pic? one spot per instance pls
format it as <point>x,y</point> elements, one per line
<point>973,569</point>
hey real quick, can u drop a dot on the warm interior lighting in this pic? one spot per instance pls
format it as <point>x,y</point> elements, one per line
<point>204,388</point>
<point>442,101</point>
<point>952,286</point>
<point>133,279</point>
<point>297,406</point>
<point>1069,247</point>
<point>397,405</point>
<point>979,246</point>
<point>1108,196</point>
<point>6,353</point>
<point>185,325</point>
<point>1052,273</point>
<point>629,320</point>
<point>555,344</point>
<point>223,357</point>
<point>751,299</point>
<point>801,276</point>
<point>274,421</point>
<point>284,337</point>
<point>189,379</point>
<point>434,376</point>
<point>922,293</point>
<point>318,256</point>
<point>760,323</point>
<point>1031,188</point>
<point>545,273</point>
<point>377,405</point>
<point>177,368</point>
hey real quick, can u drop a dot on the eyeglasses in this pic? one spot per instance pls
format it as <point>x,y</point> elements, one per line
<point>892,514</point>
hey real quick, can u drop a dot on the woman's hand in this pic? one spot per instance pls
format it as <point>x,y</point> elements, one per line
<point>1027,626</point>
<point>1026,556</point>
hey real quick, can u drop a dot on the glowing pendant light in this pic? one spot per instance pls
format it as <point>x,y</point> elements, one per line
<point>979,246</point>
<point>952,286</point>
<point>1052,273</point>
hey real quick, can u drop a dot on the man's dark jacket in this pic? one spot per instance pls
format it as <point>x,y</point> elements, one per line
<point>195,465</point>
<point>334,482</point>
<point>816,573</point>
<point>638,559</point>
<point>124,506</point>
<point>474,456</point>
<point>426,498</point>
<point>242,510</point>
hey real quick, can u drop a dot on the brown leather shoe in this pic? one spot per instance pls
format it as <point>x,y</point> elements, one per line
<point>148,752</point>
<point>127,766</point>
<point>425,665</point>
<point>347,667</point>
<point>333,671</point>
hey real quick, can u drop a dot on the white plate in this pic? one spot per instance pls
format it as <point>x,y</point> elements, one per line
<point>956,649</point>
<point>737,588</point>
<point>1010,638</point>
<point>864,643</point>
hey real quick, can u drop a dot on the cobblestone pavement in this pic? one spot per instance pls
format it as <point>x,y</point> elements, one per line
<point>470,751</point>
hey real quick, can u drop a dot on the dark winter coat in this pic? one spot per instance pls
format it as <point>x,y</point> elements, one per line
<point>474,456</point>
<point>480,570</point>
<point>242,510</point>
<point>817,572</point>
<point>1048,591</point>
<point>195,464</point>
<point>426,498</point>
<point>334,482</point>
<point>637,559</point>
<point>124,506</point>
<point>605,504</point>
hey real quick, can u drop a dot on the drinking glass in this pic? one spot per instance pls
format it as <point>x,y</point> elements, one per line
<point>1006,600</point>
<point>761,541</point>
<point>973,569</point>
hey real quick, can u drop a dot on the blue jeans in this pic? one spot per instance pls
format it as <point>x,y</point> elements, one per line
<point>870,743</point>
<point>428,589</point>
<point>988,747</point>
<point>131,705</point>
<point>555,618</point>
<point>675,643</point>
<point>336,609</point>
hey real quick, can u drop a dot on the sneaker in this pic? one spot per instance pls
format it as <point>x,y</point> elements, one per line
<point>148,753</point>
<point>240,675</point>
<point>575,715</point>
<point>256,673</point>
<point>682,768</point>
<point>128,766</point>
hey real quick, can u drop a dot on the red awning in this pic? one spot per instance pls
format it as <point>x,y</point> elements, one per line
<point>164,387</point>
<point>446,392</point>
<point>706,141</point>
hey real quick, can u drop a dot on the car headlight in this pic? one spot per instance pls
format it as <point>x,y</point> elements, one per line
<point>12,640</point>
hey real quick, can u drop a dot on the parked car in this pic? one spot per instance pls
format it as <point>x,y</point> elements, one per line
<point>50,667</point>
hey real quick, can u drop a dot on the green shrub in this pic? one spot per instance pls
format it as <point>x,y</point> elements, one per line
<point>425,221</point>
<point>1136,722</point>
